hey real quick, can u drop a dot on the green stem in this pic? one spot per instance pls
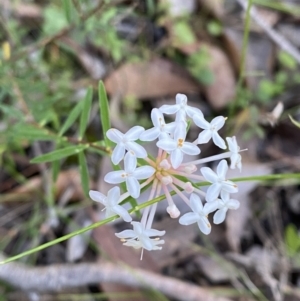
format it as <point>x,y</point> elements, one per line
<point>243,59</point>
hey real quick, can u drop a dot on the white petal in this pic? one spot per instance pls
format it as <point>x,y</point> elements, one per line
<point>201,122</point>
<point>115,177</point>
<point>235,160</point>
<point>143,172</point>
<point>114,135</point>
<point>204,226</point>
<point>126,234</point>
<point>181,98</point>
<point>176,158</point>
<point>210,207</point>
<point>232,144</point>
<point>154,232</point>
<point>139,151</point>
<point>204,136</point>
<point>133,187</point>
<point>157,117</point>
<point>97,196</point>
<point>150,135</point>
<point>138,228</point>
<point>218,141</point>
<point>189,218</point>
<point>229,186</point>
<point>169,109</point>
<point>213,192</point>
<point>190,149</point>
<point>193,111</point>
<point>113,196</point>
<point>222,169</point>
<point>170,127</point>
<point>167,144</point>
<point>118,154</point>
<point>196,204</point>
<point>180,131</point>
<point>209,175</point>
<point>134,133</point>
<point>233,204</point>
<point>146,242</point>
<point>219,216</point>
<point>136,244</point>
<point>130,162</point>
<point>123,213</point>
<point>225,196</point>
<point>218,122</point>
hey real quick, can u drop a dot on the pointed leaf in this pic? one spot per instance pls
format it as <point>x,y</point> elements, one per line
<point>84,173</point>
<point>70,11</point>
<point>71,118</point>
<point>59,154</point>
<point>104,113</point>
<point>30,132</point>
<point>85,112</point>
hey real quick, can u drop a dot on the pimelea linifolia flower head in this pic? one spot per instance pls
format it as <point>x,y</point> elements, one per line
<point>170,171</point>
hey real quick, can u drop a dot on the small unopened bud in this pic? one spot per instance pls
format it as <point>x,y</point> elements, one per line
<point>173,211</point>
<point>166,180</point>
<point>191,168</point>
<point>165,164</point>
<point>188,187</point>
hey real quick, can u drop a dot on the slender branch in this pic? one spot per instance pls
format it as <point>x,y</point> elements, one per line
<point>60,276</point>
<point>277,38</point>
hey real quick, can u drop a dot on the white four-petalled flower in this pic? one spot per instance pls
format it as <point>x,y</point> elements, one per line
<point>131,174</point>
<point>126,142</point>
<point>178,146</point>
<point>111,202</point>
<point>218,180</point>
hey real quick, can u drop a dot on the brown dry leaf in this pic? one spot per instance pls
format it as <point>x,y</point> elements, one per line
<point>69,179</point>
<point>214,6</point>
<point>222,90</point>
<point>155,78</point>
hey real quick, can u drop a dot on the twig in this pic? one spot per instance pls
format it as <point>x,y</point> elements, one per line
<point>277,38</point>
<point>59,276</point>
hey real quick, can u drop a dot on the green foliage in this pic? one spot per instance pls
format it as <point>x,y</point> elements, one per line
<point>183,33</point>
<point>59,154</point>
<point>292,240</point>
<point>55,19</point>
<point>214,28</point>
<point>104,112</point>
<point>198,66</point>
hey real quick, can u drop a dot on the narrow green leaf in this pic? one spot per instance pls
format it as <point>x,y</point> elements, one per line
<point>84,173</point>
<point>295,122</point>
<point>59,154</point>
<point>71,118</point>
<point>55,170</point>
<point>69,10</point>
<point>104,113</point>
<point>30,132</point>
<point>85,112</point>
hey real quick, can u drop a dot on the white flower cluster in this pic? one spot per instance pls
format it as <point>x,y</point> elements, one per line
<point>167,172</point>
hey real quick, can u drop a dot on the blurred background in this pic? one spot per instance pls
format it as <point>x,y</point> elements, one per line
<point>52,56</point>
